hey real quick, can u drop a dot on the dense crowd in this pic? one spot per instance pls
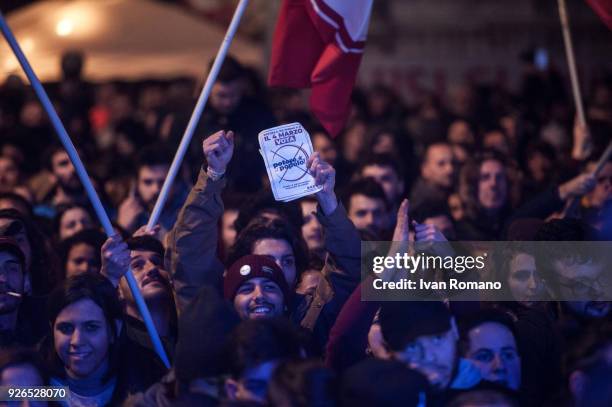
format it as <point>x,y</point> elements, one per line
<point>258,301</point>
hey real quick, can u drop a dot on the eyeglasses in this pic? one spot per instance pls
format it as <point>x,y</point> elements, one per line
<point>583,288</point>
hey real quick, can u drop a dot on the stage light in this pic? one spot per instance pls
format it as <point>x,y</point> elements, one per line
<point>64,27</point>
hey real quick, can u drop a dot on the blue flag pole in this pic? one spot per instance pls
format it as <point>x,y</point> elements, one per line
<point>82,173</point>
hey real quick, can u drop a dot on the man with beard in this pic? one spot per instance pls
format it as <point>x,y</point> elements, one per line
<point>65,187</point>
<point>367,206</point>
<point>257,287</point>
<point>574,271</point>
<point>14,285</point>
<point>571,264</point>
<point>151,171</point>
<point>387,172</point>
<point>193,242</point>
<point>424,336</point>
<point>145,256</point>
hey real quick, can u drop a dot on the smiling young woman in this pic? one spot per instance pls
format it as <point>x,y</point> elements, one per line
<point>85,317</point>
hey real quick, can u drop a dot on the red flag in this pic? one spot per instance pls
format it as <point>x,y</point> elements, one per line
<point>319,44</point>
<point>604,9</point>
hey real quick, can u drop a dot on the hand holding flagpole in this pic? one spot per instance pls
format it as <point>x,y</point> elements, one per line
<point>82,173</point>
<point>571,207</point>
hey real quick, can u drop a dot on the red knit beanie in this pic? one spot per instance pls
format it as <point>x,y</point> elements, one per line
<point>253,266</point>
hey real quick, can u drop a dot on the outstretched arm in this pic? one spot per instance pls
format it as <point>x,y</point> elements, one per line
<point>342,240</point>
<point>191,257</point>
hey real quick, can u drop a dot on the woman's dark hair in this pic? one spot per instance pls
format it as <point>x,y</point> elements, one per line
<point>302,383</point>
<point>262,202</point>
<point>44,267</point>
<point>315,262</point>
<point>86,286</point>
<point>15,356</point>
<point>90,237</point>
<point>61,211</point>
<point>265,229</point>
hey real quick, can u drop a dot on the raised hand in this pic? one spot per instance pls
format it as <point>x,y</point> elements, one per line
<point>401,231</point>
<point>115,259</point>
<point>401,241</point>
<point>324,175</point>
<point>218,150</point>
<point>129,210</point>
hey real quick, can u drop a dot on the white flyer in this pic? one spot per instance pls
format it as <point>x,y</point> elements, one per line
<point>285,150</point>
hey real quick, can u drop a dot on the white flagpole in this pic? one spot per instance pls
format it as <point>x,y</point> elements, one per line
<point>197,112</point>
<point>571,62</point>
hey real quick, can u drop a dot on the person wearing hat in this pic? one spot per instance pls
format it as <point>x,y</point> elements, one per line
<point>424,335</point>
<point>256,287</point>
<point>192,243</point>
<point>13,285</point>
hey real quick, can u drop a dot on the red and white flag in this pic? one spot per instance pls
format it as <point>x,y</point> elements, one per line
<point>604,9</point>
<point>319,44</point>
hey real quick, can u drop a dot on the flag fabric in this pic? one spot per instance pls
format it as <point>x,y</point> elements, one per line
<point>603,8</point>
<point>319,44</point>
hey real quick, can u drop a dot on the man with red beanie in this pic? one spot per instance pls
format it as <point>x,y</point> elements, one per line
<point>193,259</point>
<point>256,287</point>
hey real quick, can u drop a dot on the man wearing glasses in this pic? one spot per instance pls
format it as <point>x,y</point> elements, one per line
<point>573,267</point>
